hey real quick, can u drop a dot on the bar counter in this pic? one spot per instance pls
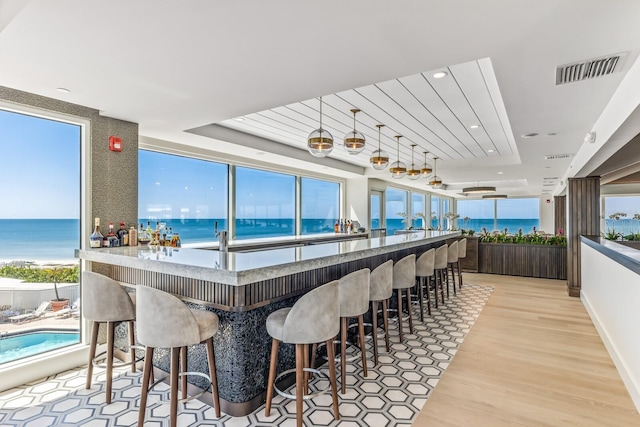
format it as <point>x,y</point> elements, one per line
<point>243,288</point>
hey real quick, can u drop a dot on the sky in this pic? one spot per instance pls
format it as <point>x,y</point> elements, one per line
<point>41,167</point>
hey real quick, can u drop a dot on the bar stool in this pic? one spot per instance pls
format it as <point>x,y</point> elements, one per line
<point>353,291</point>
<point>404,278</point>
<point>424,273</point>
<point>440,267</point>
<point>380,291</point>
<point>462,253</point>
<point>164,321</point>
<point>104,300</point>
<point>314,318</point>
<point>452,259</point>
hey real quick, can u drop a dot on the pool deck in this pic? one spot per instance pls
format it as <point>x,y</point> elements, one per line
<point>48,321</point>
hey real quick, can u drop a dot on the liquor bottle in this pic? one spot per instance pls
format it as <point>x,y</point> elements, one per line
<point>133,236</point>
<point>95,240</point>
<point>169,237</point>
<point>336,227</point>
<point>149,230</point>
<point>123,235</point>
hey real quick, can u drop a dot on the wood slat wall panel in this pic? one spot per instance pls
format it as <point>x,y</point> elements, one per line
<point>560,214</point>
<point>583,208</point>
<point>253,295</point>
<point>549,262</point>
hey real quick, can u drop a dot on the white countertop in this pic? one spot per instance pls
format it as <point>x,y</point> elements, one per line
<point>241,268</point>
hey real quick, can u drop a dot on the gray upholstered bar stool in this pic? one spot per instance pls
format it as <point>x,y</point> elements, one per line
<point>380,291</point>
<point>452,260</point>
<point>104,300</point>
<point>424,272</point>
<point>353,291</point>
<point>404,278</point>
<point>462,253</point>
<point>164,321</point>
<point>440,267</point>
<point>314,318</point>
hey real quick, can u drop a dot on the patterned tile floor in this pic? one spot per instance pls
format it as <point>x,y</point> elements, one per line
<point>391,395</point>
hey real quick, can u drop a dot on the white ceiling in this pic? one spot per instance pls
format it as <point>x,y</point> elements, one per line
<point>185,70</point>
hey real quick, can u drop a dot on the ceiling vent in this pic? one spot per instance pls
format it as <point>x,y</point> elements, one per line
<point>588,69</point>
<point>558,156</point>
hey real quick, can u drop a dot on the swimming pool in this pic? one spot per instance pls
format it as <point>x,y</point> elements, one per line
<point>14,347</point>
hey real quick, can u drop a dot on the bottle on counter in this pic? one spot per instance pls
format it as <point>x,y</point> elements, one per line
<point>336,227</point>
<point>133,236</point>
<point>123,235</point>
<point>95,239</point>
<point>169,237</point>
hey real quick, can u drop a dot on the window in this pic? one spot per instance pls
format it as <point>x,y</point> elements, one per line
<point>375,206</point>
<point>189,195</point>
<point>621,217</point>
<point>265,203</point>
<point>436,213</point>
<point>516,214</point>
<point>320,205</point>
<point>476,214</point>
<point>395,210</point>
<point>417,207</point>
<point>40,222</point>
<point>446,222</point>
<point>512,214</point>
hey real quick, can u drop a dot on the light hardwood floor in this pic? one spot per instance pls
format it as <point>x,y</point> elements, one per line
<point>533,358</point>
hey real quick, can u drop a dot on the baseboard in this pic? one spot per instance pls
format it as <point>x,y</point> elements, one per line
<point>630,384</point>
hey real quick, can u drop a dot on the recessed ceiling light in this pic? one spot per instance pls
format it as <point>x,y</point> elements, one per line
<point>474,126</point>
<point>491,150</point>
<point>63,90</point>
<point>529,135</point>
<point>440,74</point>
<point>501,173</point>
<point>240,119</point>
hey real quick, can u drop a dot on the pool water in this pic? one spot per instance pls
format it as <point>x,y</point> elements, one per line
<point>14,347</point>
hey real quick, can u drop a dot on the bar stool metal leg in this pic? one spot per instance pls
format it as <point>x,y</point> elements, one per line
<point>146,377</point>
<point>211,358</point>
<point>275,344</point>
<point>95,327</point>
<point>385,319</point>
<point>111,326</point>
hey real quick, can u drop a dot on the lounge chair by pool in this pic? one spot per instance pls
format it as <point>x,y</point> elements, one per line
<point>31,314</point>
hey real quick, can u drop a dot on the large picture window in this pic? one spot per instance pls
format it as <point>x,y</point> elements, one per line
<point>185,194</point>
<point>396,210</point>
<point>40,221</point>
<point>320,205</point>
<point>265,203</point>
<point>512,214</point>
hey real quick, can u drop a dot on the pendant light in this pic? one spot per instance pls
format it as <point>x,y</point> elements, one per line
<point>398,169</point>
<point>320,141</point>
<point>435,182</point>
<point>354,141</point>
<point>413,173</point>
<point>479,190</point>
<point>426,169</point>
<point>379,159</point>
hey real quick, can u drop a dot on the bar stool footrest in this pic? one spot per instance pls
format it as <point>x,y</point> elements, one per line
<point>306,396</point>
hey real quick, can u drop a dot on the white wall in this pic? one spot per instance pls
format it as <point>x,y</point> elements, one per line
<point>611,294</point>
<point>546,215</point>
<point>357,200</point>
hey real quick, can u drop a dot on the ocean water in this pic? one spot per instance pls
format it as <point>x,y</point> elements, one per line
<point>57,239</point>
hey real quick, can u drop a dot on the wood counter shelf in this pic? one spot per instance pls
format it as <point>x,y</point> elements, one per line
<point>243,288</point>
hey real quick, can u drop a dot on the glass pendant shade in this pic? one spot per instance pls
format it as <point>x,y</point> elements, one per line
<point>320,141</point>
<point>413,173</point>
<point>379,159</point>
<point>435,182</point>
<point>354,141</point>
<point>426,169</point>
<point>398,169</point>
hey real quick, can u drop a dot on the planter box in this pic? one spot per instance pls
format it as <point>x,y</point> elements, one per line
<point>470,262</point>
<point>547,262</point>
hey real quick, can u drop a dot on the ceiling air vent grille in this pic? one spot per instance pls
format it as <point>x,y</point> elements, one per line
<point>589,69</point>
<point>558,156</point>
